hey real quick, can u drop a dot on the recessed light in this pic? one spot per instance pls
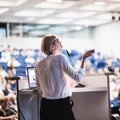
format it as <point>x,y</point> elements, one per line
<point>33,12</point>
<point>54,0</point>
<point>99,3</point>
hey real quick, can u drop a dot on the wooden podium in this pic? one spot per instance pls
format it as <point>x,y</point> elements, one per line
<point>90,102</point>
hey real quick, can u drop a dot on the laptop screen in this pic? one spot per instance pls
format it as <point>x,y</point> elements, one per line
<point>31,77</point>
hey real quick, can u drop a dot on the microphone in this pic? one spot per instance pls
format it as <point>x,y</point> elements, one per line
<point>68,53</point>
<point>70,59</point>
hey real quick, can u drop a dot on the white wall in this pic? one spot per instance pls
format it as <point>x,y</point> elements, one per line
<point>107,38</point>
<point>21,42</point>
<point>77,44</point>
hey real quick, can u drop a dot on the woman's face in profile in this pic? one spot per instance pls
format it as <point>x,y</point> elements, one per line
<point>57,46</point>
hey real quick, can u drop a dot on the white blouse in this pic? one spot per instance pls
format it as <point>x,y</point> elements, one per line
<point>52,75</point>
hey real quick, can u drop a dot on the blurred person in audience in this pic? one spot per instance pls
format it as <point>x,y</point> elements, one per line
<point>12,101</point>
<point>15,52</point>
<point>29,60</point>
<point>1,94</point>
<point>117,87</point>
<point>6,54</point>
<point>106,70</point>
<point>8,48</point>
<point>21,57</point>
<point>52,78</point>
<point>38,55</point>
<point>77,65</point>
<point>112,84</point>
<point>89,68</point>
<point>100,71</point>
<point>11,71</point>
<point>3,58</point>
<point>116,62</point>
<point>115,96</point>
<point>11,86</point>
<point>109,64</point>
<point>117,71</point>
<point>13,62</point>
<point>13,65</point>
<point>1,49</point>
<point>91,71</point>
<point>2,83</point>
<point>30,52</point>
<point>6,111</point>
<point>3,74</point>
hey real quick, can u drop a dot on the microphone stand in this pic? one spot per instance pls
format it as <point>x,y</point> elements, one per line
<point>18,106</point>
<point>17,85</point>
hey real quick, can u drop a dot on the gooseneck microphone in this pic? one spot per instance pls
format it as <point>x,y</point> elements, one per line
<point>68,53</point>
<point>70,59</point>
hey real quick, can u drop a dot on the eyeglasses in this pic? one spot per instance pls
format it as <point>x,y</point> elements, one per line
<point>56,41</point>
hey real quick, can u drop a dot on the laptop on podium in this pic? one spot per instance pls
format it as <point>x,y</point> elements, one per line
<point>31,78</point>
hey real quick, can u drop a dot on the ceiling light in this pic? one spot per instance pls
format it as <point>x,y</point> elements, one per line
<point>99,3</point>
<point>11,3</point>
<point>30,19</point>
<point>106,16</point>
<point>76,14</point>
<point>115,0</point>
<point>78,28</point>
<point>2,10</point>
<point>33,13</point>
<point>108,7</point>
<point>55,21</point>
<point>92,7</point>
<point>91,22</point>
<point>54,0</point>
<point>54,5</point>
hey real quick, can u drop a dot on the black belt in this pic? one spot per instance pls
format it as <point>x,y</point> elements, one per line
<point>67,98</point>
<point>60,99</point>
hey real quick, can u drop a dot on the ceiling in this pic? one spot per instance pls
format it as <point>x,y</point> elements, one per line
<point>76,12</point>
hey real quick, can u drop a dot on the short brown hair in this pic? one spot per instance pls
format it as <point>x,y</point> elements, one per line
<point>47,42</point>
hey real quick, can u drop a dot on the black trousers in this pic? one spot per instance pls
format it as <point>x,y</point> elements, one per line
<point>57,109</point>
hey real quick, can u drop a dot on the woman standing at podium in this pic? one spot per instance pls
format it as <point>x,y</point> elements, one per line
<point>52,75</point>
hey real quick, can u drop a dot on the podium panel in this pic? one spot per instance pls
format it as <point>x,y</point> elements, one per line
<point>90,106</point>
<point>90,102</point>
<point>29,105</point>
